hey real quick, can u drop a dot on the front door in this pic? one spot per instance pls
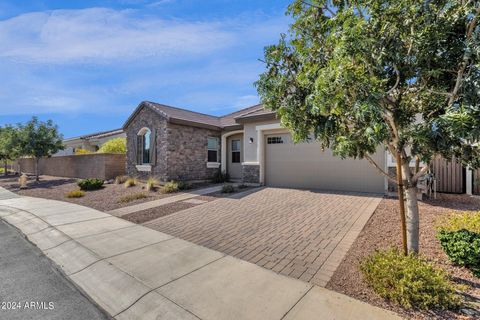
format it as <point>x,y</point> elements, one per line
<point>235,156</point>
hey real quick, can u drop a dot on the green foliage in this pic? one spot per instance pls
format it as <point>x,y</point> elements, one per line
<point>81,151</point>
<point>121,179</point>
<point>409,280</point>
<point>468,220</point>
<point>228,188</point>
<point>117,145</point>
<point>221,177</point>
<point>39,139</point>
<point>182,185</point>
<point>75,194</point>
<point>151,184</point>
<point>459,236</point>
<point>132,197</point>
<point>90,184</point>
<point>130,182</point>
<point>9,143</point>
<point>462,248</point>
<point>357,74</point>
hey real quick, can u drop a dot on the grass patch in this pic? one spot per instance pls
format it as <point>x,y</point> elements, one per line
<point>75,194</point>
<point>132,197</point>
<point>410,281</point>
<point>130,182</point>
<point>151,184</point>
<point>170,187</point>
<point>121,179</point>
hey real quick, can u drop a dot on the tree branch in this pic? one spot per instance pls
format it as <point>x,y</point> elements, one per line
<point>458,83</point>
<point>396,82</point>
<point>419,174</point>
<point>389,177</point>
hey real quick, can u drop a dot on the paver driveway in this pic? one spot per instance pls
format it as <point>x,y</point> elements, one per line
<point>299,233</point>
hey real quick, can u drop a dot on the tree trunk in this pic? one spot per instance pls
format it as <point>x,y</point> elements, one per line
<point>413,220</point>
<point>37,176</point>
<point>401,201</point>
<point>5,167</point>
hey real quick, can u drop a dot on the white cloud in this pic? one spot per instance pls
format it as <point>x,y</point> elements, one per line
<point>105,35</point>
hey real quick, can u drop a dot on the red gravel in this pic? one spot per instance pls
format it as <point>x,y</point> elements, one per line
<point>383,231</point>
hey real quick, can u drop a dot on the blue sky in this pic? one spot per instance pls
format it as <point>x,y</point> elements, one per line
<point>87,64</point>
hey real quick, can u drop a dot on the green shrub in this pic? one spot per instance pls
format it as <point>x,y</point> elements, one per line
<point>409,280</point>
<point>220,177</point>
<point>468,220</point>
<point>121,179</point>
<point>462,248</point>
<point>90,184</point>
<point>459,236</point>
<point>151,184</point>
<point>228,188</point>
<point>82,151</point>
<point>132,197</point>
<point>75,194</point>
<point>184,185</point>
<point>130,182</point>
<point>117,145</point>
<point>170,187</point>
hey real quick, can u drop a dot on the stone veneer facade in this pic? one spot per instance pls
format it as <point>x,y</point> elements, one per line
<point>181,151</point>
<point>250,173</point>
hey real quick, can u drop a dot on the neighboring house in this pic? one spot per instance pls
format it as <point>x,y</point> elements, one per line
<point>90,142</point>
<point>250,145</point>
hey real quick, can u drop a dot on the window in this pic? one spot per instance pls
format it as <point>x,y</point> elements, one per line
<point>212,149</point>
<point>274,140</point>
<point>143,146</point>
<point>235,151</point>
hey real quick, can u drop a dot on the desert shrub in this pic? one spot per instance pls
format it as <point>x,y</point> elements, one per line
<point>82,151</point>
<point>151,184</point>
<point>228,188</point>
<point>462,248</point>
<point>242,186</point>
<point>23,181</point>
<point>170,187</point>
<point>90,184</point>
<point>117,145</point>
<point>411,281</point>
<point>121,179</point>
<point>132,197</point>
<point>459,236</point>
<point>130,182</point>
<point>182,185</point>
<point>75,194</point>
<point>220,177</point>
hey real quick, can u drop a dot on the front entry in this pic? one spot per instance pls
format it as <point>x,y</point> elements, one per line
<point>235,156</point>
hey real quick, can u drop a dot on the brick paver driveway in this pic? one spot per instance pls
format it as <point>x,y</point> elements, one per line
<point>299,233</point>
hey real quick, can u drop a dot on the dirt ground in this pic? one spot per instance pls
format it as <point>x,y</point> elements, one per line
<point>55,188</point>
<point>383,231</point>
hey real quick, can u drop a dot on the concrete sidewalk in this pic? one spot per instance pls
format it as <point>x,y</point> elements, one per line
<point>137,273</point>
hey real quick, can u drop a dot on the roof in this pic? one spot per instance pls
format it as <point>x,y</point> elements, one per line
<point>100,134</point>
<point>184,116</point>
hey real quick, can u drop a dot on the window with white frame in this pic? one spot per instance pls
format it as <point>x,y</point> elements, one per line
<point>143,146</point>
<point>213,146</point>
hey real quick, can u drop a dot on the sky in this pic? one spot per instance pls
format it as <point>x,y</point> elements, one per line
<point>87,64</point>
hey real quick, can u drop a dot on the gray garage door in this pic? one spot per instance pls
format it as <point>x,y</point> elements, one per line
<point>305,165</point>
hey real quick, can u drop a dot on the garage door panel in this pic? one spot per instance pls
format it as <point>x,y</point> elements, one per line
<point>305,165</point>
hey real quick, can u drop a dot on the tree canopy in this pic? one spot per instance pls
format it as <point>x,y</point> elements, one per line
<point>117,145</point>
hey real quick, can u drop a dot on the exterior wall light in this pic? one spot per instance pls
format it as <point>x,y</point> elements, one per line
<point>250,140</point>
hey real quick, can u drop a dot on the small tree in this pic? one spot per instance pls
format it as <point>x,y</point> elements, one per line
<point>403,74</point>
<point>9,146</point>
<point>117,145</point>
<point>39,139</point>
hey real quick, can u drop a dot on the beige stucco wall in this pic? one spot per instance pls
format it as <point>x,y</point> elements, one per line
<point>250,131</point>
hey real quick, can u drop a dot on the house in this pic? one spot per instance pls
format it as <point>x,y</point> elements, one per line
<point>90,142</point>
<point>250,145</point>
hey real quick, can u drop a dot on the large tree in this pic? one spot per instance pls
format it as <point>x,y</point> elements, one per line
<point>9,147</point>
<point>403,74</point>
<point>39,139</point>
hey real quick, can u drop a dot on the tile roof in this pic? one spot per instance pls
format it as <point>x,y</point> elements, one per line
<point>227,120</point>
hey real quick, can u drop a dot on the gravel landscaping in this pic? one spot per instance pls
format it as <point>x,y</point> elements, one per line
<point>55,188</point>
<point>383,231</point>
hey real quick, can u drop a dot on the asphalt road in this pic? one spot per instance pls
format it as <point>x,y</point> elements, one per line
<point>30,283</point>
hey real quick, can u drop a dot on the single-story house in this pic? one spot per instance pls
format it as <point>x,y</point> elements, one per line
<point>90,142</point>
<point>250,145</point>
